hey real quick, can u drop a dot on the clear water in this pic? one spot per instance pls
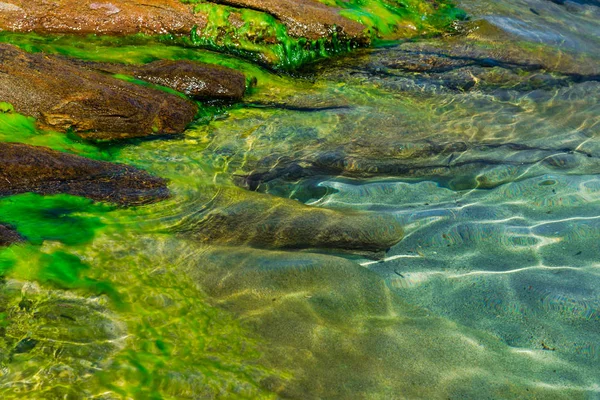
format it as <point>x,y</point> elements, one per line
<point>493,292</point>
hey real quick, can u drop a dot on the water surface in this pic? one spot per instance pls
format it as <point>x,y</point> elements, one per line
<point>489,162</point>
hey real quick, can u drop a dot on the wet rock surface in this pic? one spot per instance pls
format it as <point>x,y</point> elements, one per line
<point>306,18</point>
<point>459,165</point>
<point>460,66</point>
<point>64,97</point>
<point>197,80</point>
<point>121,17</point>
<point>40,170</point>
<point>9,236</point>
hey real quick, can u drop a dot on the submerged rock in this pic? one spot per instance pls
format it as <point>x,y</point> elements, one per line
<point>25,168</point>
<point>56,335</point>
<point>263,221</point>
<point>198,80</point>
<point>9,236</point>
<point>65,97</point>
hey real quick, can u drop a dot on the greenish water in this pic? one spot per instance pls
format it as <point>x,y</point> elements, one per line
<point>490,168</point>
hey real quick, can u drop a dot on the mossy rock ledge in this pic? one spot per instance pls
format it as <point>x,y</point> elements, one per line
<point>280,33</point>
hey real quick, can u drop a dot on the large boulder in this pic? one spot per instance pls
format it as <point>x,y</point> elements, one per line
<point>25,168</point>
<point>65,97</point>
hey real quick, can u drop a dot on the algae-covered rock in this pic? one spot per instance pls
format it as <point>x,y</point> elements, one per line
<point>64,97</point>
<point>310,19</point>
<point>25,168</point>
<point>285,34</point>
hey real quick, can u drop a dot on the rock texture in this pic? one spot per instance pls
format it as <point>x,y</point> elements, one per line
<point>65,97</point>
<point>115,17</point>
<point>8,236</point>
<point>305,18</point>
<point>197,80</point>
<point>25,168</point>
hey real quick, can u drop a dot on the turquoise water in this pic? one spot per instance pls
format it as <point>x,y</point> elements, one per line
<point>370,228</point>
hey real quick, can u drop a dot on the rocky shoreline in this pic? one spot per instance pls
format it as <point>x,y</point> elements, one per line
<point>166,161</point>
<point>99,101</point>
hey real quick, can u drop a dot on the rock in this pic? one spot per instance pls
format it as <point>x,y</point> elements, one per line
<point>115,17</point>
<point>264,221</point>
<point>306,18</point>
<point>25,168</point>
<point>65,97</point>
<point>198,80</point>
<point>8,236</point>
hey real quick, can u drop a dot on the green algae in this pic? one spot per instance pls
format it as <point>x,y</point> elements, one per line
<point>66,271</point>
<point>399,19</point>
<point>67,219</point>
<point>58,270</point>
<point>264,39</point>
<point>261,38</point>
<point>63,219</point>
<point>179,346</point>
<point>17,128</point>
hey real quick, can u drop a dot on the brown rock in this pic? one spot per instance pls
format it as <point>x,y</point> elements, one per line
<point>305,18</point>
<point>198,80</point>
<point>65,97</point>
<point>25,168</point>
<point>9,236</point>
<point>112,17</point>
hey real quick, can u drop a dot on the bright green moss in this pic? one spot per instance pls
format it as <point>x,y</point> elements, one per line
<point>15,127</point>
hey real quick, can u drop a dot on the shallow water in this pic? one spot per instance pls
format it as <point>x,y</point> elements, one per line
<point>233,289</point>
